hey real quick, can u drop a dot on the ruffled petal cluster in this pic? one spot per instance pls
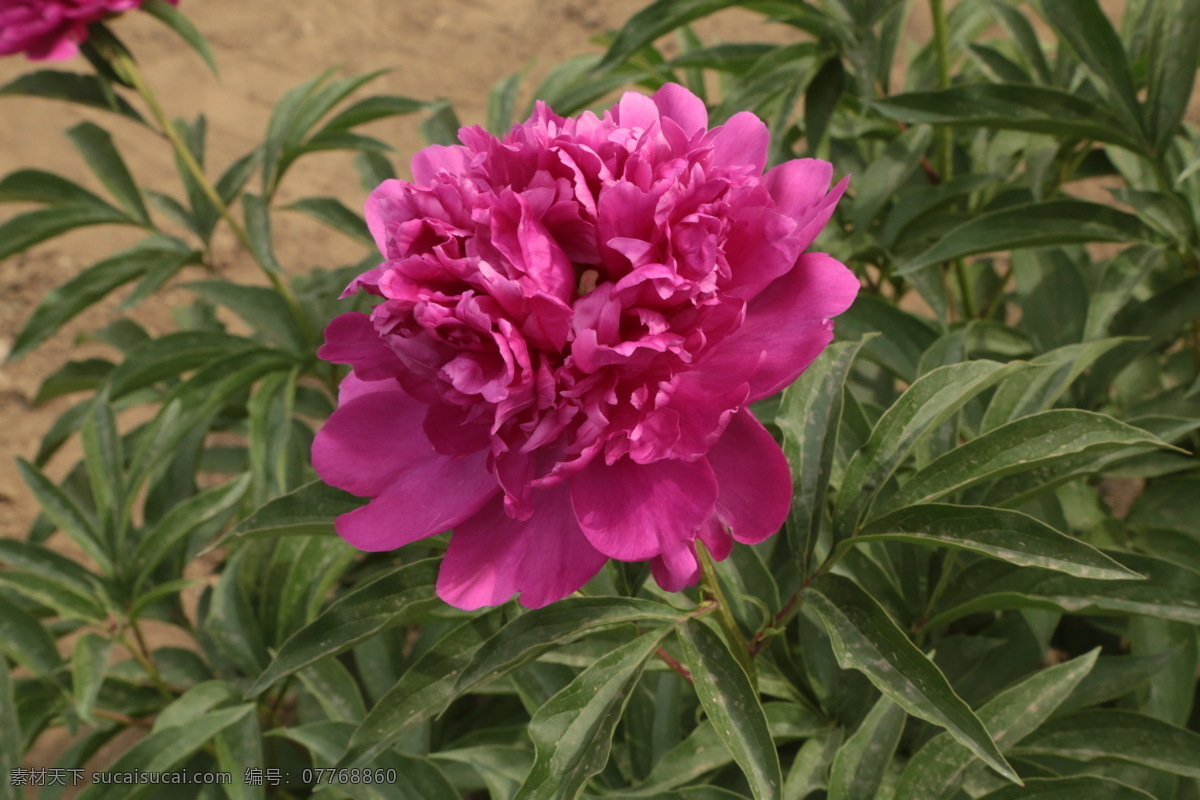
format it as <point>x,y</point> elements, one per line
<point>572,322</point>
<point>52,30</point>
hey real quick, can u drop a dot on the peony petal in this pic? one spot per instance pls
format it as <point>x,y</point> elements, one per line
<point>787,324</point>
<point>437,159</point>
<point>755,483</point>
<point>820,214</point>
<point>741,142</point>
<point>635,110</point>
<point>633,511</point>
<point>797,186</point>
<point>686,109</point>
<point>384,195</point>
<point>352,339</point>
<point>492,556</point>
<point>428,498</point>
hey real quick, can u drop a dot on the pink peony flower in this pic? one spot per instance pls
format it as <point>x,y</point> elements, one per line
<point>574,319</point>
<point>52,30</point>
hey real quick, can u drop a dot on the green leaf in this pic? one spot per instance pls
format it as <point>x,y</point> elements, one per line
<point>441,126</point>
<point>262,308</point>
<point>733,706</point>
<point>336,215</point>
<point>394,598</point>
<point>938,768</point>
<point>1037,389</point>
<point>309,510</point>
<point>1053,222</point>
<point>1023,37</point>
<point>319,102</point>
<point>425,689</point>
<point>1085,28</point>
<point>704,751</point>
<point>63,303</point>
<point>89,662</point>
<point>820,101</point>
<point>1006,106</point>
<point>231,623</point>
<point>176,21</point>
<point>861,763</point>
<point>929,402</point>
<point>905,336</point>
<point>23,231</point>
<point>175,527</point>
<point>1025,444</point>
<point>24,640</point>
<point>102,156</point>
<point>865,638</point>
<point>300,574</point>
<point>809,771</point>
<point>1008,535</point>
<point>104,459</point>
<point>163,750</point>
<point>334,688</point>
<point>172,354</point>
<point>258,228</point>
<point>1169,593</point>
<point>40,560</point>
<point>810,415</point>
<point>38,186</point>
<point>279,129</point>
<point>1115,676</point>
<point>1090,786</point>
<point>370,109</point>
<point>1174,53</point>
<point>534,632</point>
<point>656,19</point>
<point>502,104</point>
<point>888,172</point>
<point>10,737</point>
<point>68,602</point>
<point>88,90</point>
<point>1119,735</point>
<point>573,730</point>
<point>66,515</point>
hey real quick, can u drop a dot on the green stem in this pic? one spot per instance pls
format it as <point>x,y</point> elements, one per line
<point>733,633</point>
<point>141,654</point>
<point>131,73</point>
<point>939,589</point>
<point>966,290</point>
<point>941,41</point>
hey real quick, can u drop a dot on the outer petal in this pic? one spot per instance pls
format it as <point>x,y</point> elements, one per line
<point>352,339</point>
<point>370,440</point>
<point>374,445</point>
<point>755,483</point>
<point>435,497</point>
<point>787,324</point>
<point>740,142</point>
<point>493,556</point>
<point>798,185</point>
<point>633,511</point>
<point>389,190</point>
<point>686,109</point>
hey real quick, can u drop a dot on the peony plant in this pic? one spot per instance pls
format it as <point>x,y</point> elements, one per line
<point>583,493</point>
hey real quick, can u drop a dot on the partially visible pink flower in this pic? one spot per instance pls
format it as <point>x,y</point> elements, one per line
<point>573,321</point>
<point>52,30</point>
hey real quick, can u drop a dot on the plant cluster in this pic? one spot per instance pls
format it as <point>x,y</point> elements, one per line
<point>953,607</point>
